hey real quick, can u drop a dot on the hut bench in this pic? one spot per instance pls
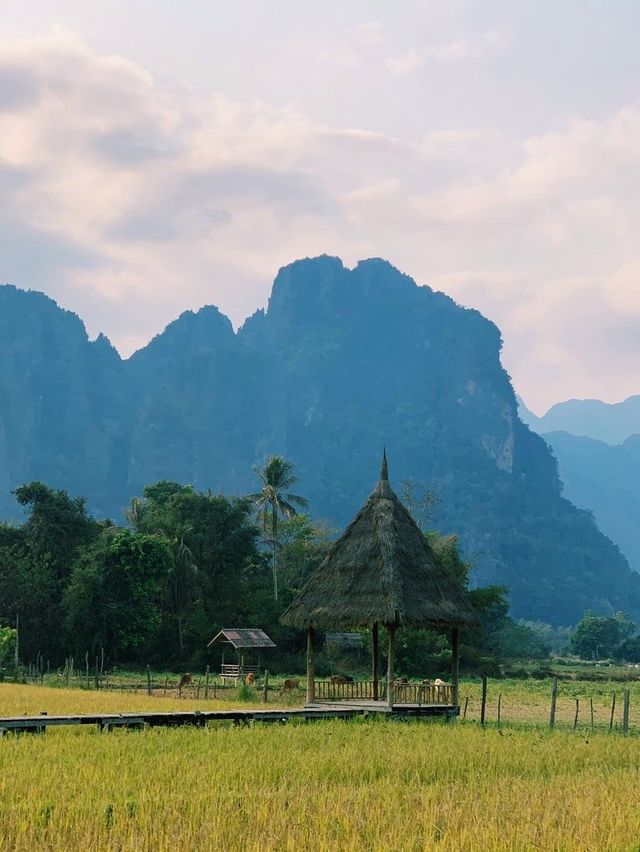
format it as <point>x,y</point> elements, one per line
<point>241,639</point>
<point>236,672</point>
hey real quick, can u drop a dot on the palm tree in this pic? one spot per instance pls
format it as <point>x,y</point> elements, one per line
<point>183,572</point>
<point>276,477</point>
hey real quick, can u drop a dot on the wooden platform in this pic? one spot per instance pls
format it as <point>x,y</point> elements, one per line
<point>401,709</point>
<point>199,719</point>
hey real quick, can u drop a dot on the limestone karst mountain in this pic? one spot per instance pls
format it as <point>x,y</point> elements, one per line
<point>342,362</point>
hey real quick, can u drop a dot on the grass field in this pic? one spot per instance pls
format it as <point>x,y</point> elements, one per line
<point>330,785</point>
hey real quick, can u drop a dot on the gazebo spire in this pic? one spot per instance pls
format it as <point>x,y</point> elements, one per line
<point>384,470</point>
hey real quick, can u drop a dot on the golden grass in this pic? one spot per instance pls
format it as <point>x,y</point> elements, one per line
<point>529,701</point>
<point>19,700</point>
<point>363,785</point>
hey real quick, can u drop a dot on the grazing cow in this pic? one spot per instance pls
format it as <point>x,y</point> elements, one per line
<point>440,687</point>
<point>341,679</point>
<point>185,680</point>
<point>290,684</point>
<point>401,681</point>
<point>250,679</point>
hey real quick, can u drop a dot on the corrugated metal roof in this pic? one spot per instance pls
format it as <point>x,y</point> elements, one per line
<point>344,640</point>
<point>241,637</point>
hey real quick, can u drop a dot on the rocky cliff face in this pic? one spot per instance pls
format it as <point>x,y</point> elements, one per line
<point>342,362</point>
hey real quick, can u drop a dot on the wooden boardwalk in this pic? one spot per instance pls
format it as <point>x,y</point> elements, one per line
<point>199,719</point>
<point>400,709</point>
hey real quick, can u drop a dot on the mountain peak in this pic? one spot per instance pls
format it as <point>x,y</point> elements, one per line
<point>201,330</point>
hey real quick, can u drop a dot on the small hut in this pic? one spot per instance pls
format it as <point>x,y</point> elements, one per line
<point>241,640</point>
<point>381,571</point>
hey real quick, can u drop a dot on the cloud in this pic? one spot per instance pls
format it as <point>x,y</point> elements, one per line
<point>405,62</point>
<point>369,32</point>
<point>130,201</point>
<point>454,50</point>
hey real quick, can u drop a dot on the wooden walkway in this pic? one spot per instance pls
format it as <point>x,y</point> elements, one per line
<point>370,706</point>
<point>199,719</point>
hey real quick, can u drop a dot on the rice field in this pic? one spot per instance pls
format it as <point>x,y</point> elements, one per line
<point>362,785</point>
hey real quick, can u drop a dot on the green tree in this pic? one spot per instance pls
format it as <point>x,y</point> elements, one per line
<point>598,636</point>
<point>276,500</point>
<point>114,596</point>
<point>302,546</point>
<point>8,644</point>
<point>36,561</point>
<point>181,577</point>
<point>216,534</point>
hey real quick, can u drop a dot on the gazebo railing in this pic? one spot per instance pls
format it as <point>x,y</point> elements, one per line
<point>403,693</point>
<point>326,690</point>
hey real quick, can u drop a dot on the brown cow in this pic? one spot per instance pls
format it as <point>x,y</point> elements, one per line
<point>290,684</point>
<point>185,680</point>
<point>250,679</point>
<point>341,679</point>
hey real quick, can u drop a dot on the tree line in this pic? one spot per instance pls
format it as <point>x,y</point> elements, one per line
<point>189,563</point>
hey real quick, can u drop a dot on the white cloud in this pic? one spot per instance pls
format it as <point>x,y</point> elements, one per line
<point>405,63</point>
<point>369,32</point>
<point>131,201</point>
<point>454,50</point>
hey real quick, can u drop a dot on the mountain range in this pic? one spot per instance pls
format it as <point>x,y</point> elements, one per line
<point>597,446</point>
<point>342,362</point>
<point>611,423</point>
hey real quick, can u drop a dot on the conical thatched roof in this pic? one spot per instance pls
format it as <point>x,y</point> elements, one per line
<point>381,569</point>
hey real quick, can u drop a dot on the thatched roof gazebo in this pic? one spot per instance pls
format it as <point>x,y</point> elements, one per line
<point>381,571</point>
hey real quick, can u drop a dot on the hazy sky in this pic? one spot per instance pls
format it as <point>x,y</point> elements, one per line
<point>157,156</point>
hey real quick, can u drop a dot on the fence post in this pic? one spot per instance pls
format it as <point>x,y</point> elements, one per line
<point>625,712</point>
<point>166,683</point>
<point>613,710</point>
<point>86,663</point>
<point>96,675</point>
<point>591,705</point>
<point>265,688</point>
<point>575,718</point>
<point>206,683</point>
<point>149,681</point>
<point>499,708</point>
<point>554,698</point>
<point>198,690</point>
<point>483,706</point>
<point>466,704</point>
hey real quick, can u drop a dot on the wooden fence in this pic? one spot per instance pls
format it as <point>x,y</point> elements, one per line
<point>403,693</point>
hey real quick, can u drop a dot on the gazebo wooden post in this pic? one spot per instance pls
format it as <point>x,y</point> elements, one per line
<point>375,643</point>
<point>455,656</point>
<point>391,663</point>
<point>310,666</point>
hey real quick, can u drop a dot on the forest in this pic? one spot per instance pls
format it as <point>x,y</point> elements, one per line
<point>190,563</point>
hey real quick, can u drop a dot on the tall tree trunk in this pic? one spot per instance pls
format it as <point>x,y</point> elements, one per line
<point>180,636</point>
<point>274,530</point>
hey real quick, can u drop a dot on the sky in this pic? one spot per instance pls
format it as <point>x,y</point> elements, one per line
<point>158,156</point>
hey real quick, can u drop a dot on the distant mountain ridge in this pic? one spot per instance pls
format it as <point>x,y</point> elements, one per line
<point>342,362</point>
<point>606,480</point>
<point>612,423</point>
<point>597,446</point>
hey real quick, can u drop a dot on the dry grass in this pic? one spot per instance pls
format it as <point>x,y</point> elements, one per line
<point>18,700</point>
<point>327,786</point>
